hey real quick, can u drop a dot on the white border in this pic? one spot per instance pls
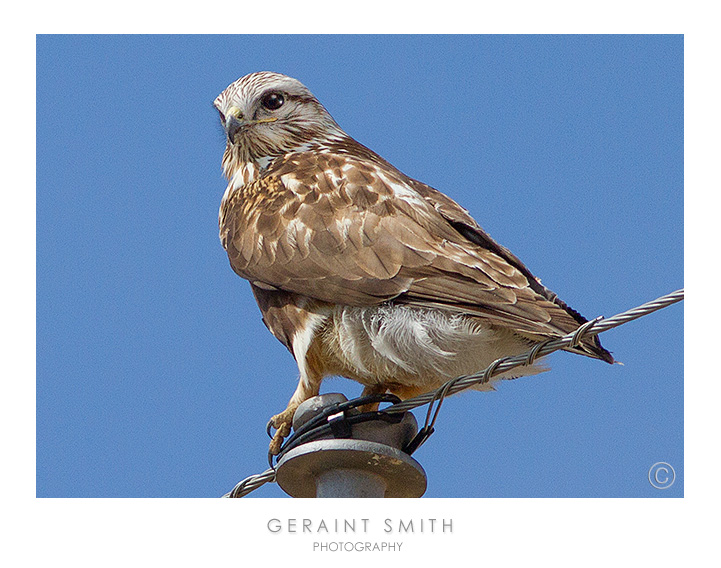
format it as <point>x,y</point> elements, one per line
<point>92,532</point>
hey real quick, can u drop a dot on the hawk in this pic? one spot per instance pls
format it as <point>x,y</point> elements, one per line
<point>358,269</point>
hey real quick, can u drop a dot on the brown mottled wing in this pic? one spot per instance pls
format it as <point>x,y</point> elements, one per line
<point>461,220</point>
<point>345,230</point>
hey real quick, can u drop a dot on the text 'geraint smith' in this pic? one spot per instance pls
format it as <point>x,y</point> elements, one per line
<point>360,526</point>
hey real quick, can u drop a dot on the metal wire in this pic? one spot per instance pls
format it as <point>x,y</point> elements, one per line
<point>541,349</point>
<point>499,366</point>
<point>251,483</point>
<point>314,427</point>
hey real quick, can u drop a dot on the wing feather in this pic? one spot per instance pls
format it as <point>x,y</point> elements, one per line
<point>341,229</point>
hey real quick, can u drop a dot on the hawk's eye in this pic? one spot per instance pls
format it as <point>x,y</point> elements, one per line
<point>272,101</point>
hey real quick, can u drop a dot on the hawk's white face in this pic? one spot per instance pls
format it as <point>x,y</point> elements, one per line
<point>266,115</point>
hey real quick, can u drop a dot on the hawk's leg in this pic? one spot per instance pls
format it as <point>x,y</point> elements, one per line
<point>283,421</point>
<point>370,390</point>
<point>406,391</point>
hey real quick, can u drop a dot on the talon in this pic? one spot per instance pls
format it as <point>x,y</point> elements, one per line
<point>370,407</point>
<point>285,417</point>
<point>371,390</point>
<point>278,438</point>
<point>282,423</point>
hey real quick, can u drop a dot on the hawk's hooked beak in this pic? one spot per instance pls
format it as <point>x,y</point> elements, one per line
<point>232,127</point>
<point>234,123</point>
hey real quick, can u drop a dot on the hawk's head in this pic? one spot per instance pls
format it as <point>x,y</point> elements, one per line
<point>266,115</point>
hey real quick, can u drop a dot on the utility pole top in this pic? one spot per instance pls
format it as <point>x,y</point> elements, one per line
<point>361,459</point>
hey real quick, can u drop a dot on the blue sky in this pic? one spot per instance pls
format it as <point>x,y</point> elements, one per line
<point>155,374</point>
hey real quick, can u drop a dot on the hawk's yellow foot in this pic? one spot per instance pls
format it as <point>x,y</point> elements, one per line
<point>282,423</point>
